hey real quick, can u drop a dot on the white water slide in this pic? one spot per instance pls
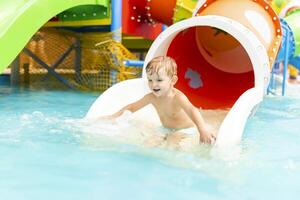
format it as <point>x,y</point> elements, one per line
<point>224,53</point>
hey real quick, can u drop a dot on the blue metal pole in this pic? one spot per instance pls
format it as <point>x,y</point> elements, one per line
<point>272,82</point>
<point>116,28</point>
<point>286,60</point>
<point>116,19</point>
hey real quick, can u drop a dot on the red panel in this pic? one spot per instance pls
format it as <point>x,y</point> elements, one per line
<point>162,11</point>
<point>135,22</point>
<point>220,89</point>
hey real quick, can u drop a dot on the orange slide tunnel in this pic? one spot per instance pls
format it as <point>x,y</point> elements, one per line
<point>214,67</point>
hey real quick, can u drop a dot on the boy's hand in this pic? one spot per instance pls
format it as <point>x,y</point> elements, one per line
<point>207,137</point>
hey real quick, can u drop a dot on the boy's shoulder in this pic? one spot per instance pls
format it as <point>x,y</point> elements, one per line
<point>180,95</point>
<point>149,96</point>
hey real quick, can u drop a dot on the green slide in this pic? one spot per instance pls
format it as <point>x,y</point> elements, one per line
<point>293,19</point>
<point>21,19</point>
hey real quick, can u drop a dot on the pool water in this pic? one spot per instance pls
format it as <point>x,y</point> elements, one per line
<point>46,155</point>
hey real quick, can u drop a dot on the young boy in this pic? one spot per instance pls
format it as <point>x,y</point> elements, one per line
<point>175,111</point>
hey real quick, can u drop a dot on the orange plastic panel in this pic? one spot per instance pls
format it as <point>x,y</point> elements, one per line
<point>257,15</point>
<point>222,50</point>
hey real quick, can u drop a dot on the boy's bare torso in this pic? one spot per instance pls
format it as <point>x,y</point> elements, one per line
<point>170,113</point>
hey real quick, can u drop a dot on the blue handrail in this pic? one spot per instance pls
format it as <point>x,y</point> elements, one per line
<point>134,63</point>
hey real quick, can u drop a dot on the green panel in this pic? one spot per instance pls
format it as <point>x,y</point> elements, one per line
<point>136,43</point>
<point>21,19</point>
<point>85,12</point>
<point>184,9</point>
<point>279,3</point>
<point>294,22</point>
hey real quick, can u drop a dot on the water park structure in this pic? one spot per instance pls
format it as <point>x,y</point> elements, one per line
<point>64,63</point>
<point>290,49</point>
<point>205,47</point>
<point>205,38</point>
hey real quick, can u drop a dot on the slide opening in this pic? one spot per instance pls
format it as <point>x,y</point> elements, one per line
<point>214,69</point>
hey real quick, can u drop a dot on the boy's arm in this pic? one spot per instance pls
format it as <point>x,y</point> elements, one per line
<point>196,117</point>
<point>133,107</point>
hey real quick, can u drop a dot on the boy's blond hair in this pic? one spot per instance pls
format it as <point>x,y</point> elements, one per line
<point>165,63</point>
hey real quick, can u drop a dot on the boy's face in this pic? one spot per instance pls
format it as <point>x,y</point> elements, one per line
<point>160,83</point>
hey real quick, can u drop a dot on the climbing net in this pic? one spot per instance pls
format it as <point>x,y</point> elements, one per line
<point>85,61</point>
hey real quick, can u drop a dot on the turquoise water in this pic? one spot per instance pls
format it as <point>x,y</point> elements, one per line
<point>44,156</point>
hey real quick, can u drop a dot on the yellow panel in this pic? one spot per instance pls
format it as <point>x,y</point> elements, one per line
<point>96,22</point>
